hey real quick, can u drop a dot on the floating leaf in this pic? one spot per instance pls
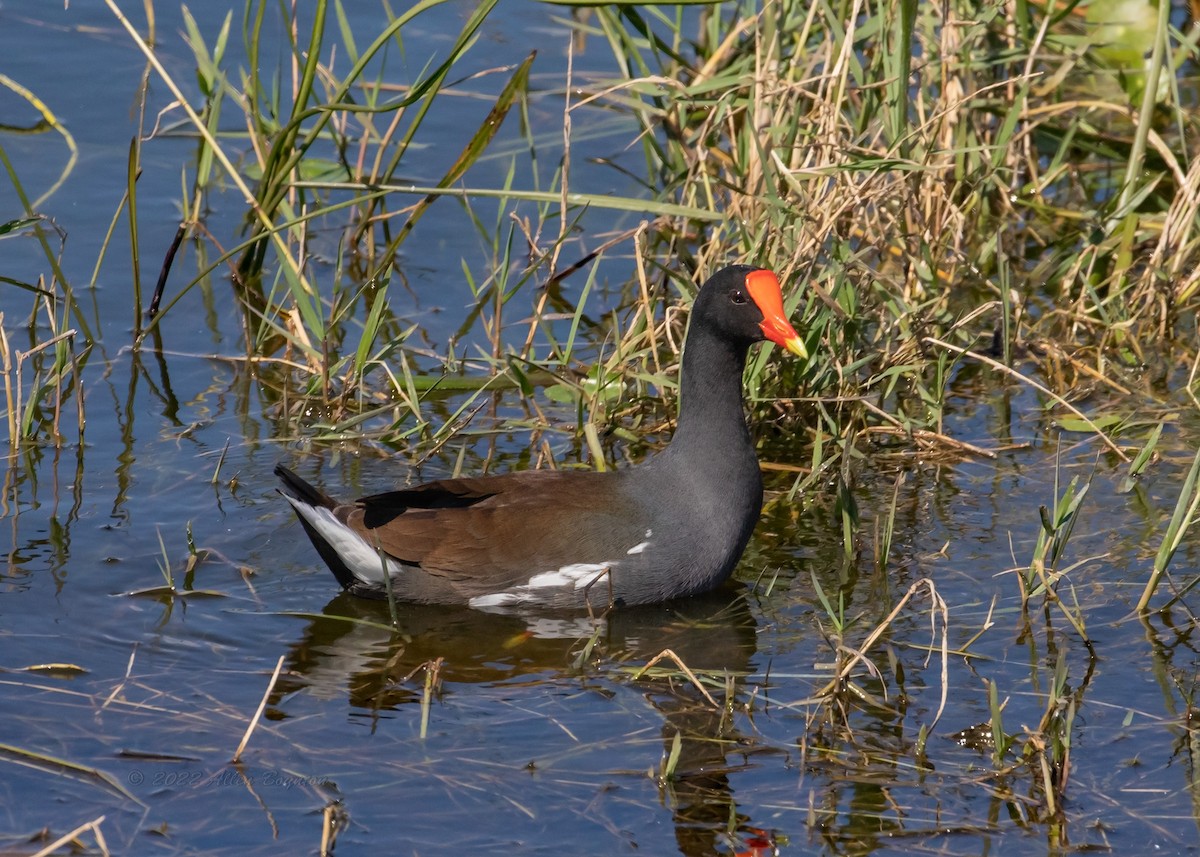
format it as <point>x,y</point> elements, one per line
<point>172,592</point>
<point>1078,424</point>
<point>65,670</point>
<point>33,759</point>
<point>14,225</point>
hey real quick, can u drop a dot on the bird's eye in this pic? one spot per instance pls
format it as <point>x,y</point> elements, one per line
<point>737,296</point>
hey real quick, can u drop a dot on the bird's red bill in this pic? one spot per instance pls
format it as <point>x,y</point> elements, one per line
<point>763,287</point>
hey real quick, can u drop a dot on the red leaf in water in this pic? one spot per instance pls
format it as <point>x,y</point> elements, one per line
<point>759,843</point>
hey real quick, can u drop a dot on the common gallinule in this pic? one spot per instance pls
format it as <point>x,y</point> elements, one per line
<point>672,526</point>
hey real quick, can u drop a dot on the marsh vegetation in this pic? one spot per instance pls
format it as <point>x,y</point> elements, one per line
<point>346,236</point>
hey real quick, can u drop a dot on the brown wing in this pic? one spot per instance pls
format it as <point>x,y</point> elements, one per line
<point>490,533</point>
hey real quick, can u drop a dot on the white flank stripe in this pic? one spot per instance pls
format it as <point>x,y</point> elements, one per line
<point>575,576</point>
<point>578,574</point>
<point>638,548</point>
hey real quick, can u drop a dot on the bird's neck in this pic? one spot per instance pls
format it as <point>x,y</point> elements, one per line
<point>712,422</point>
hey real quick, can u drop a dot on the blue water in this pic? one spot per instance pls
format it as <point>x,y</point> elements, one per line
<point>533,743</point>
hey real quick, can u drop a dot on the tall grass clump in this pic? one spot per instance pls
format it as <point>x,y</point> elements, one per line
<point>939,185</point>
<point>44,349</point>
<point>914,164</point>
<point>42,357</point>
<point>308,149</point>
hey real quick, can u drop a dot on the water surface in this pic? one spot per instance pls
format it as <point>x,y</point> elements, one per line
<point>536,737</point>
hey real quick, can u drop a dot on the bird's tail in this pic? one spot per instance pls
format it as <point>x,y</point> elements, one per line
<point>314,508</point>
<point>297,489</point>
